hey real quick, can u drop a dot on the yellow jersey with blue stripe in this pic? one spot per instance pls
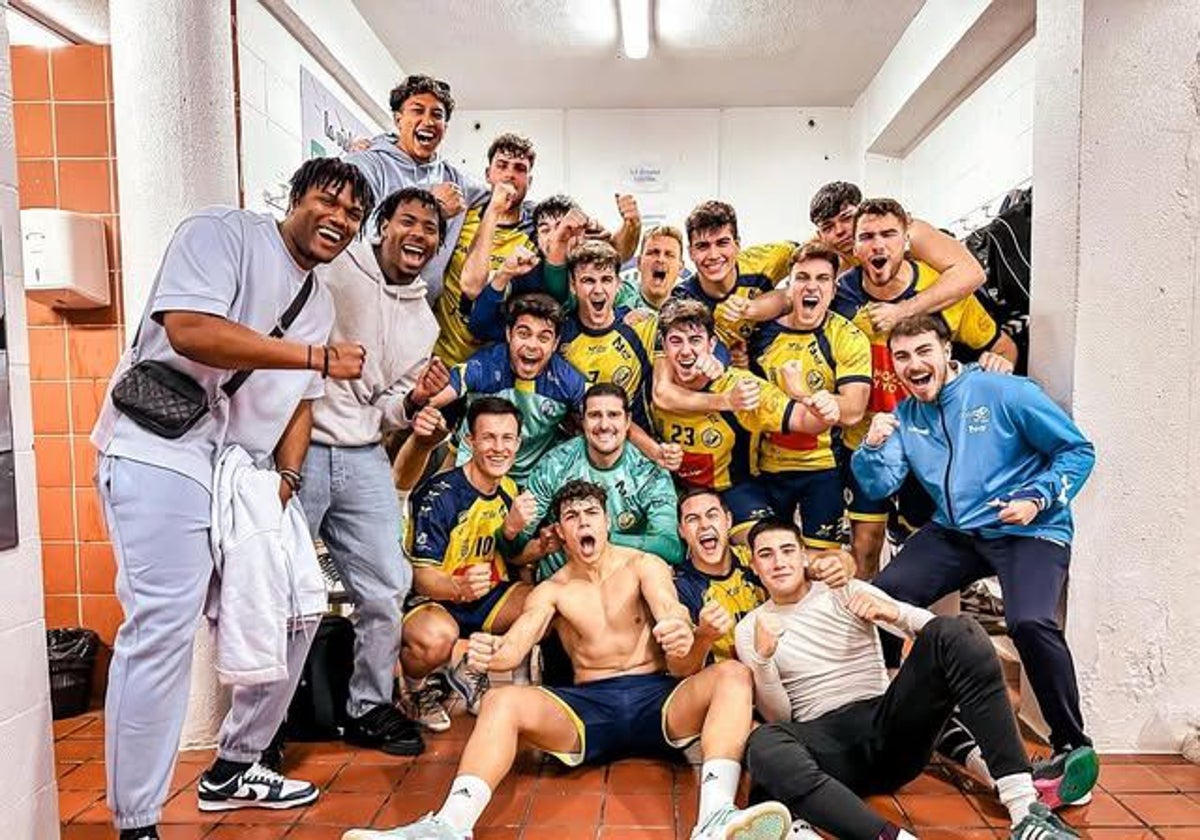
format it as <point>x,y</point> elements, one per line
<point>455,343</point>
<point>622,354</point>
<point>759,269</point>
<point>739,591</point>
<point>969,321</point>
<point>719,447</point>
<point>834,354</point>
<point>452,525</point>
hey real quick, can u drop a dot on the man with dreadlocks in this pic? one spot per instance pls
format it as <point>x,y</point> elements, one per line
<point>225,282</point>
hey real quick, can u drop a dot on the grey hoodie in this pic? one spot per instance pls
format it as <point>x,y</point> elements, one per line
<point>388,169</point>
<point>395,325</point>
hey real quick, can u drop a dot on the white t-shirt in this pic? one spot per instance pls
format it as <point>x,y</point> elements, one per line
<point>233,264</point>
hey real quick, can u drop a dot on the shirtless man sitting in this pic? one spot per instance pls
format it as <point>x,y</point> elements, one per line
<point>626,634</point>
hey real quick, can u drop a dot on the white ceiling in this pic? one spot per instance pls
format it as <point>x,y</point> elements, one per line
<point>704,53</point>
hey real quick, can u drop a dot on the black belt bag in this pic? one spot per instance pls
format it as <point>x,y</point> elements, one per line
<point>167,402</point>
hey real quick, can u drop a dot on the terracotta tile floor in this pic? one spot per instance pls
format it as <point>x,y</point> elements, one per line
<point>1138,797</point>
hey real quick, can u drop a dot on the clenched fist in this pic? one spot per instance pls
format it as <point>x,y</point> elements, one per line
<point>627,206</point>
<point>481,650</point>
<point>715,621</point>
<point>870,608</point>
<point>449,198</point>
<point>344,360</point>
<point>768,629</point>
<point>674,636</point>
<point>825,406</point>
<point>882,426</point>
<point>523,511</point>
<point>670,456</point>
<point>474,581</point>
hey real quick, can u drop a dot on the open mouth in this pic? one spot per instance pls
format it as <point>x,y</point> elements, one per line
<point>920,380</point>
<point>425,136</point>
<point>810,302</point>
<point>597,304</point>
<point>659,274</point>
<point>878,263</point>
<point>330,234</point>
<point>709,542</point>
<point>497,462</point>
<point>415,252</point>
<point>587,543</point>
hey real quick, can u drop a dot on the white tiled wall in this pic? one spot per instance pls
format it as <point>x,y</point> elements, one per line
<point>28,797</point>
<point>979,151</point>
<point>269,62</point>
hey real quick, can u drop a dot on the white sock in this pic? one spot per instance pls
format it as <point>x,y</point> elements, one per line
<point>978,768</point>
<point>1016,793</point>
<point>413,684</point>
<point>904,835</point>
<point>469,795</point>
<point>718,785</point>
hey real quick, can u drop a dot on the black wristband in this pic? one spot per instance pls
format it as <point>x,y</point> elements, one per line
<point>325,364</point>
<point>308,360</point>
<point>292,478</point>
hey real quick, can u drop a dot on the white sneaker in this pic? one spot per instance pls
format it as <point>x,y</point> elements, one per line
<point>254,787</point>
<point>802,831</point>
<point>424,704</point>
<point>429,827</point>
<point>765,821</point>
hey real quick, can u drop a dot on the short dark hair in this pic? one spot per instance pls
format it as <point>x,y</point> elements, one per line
<point>391,204</point>
<point>491,405</point>
<point>334,174</point>
<point>606,389</point>
<point>830,199</point>
<point>762,526</point>
<point>681,312</point>
<point>918,324</point>
<point>881,207</point>
<point>576,490</point>
<point>513,145</point>
<point>593,252</point>
<point>711,215</point>
<point>417,84</point>
<point>537,305</point>
<point>815,251</point>
<point>693,492</point>
<point>556,206</point>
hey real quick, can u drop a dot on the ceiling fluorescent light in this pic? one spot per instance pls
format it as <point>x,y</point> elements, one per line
<point>635,27</point>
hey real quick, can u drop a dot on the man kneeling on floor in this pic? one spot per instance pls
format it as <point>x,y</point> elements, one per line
<point>625,631</point>
<point>839,730</point>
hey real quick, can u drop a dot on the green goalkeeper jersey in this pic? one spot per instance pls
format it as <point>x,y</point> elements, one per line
<point>641,500</point>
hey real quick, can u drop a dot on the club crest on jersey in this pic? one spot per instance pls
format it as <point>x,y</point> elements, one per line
<point>622,375</point>
<point>626,519</point>
<point>815,380</point>
<point>978,419</point>
<point>711,438</point>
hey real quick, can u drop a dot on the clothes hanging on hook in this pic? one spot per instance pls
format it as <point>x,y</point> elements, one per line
<point>1002,246</point>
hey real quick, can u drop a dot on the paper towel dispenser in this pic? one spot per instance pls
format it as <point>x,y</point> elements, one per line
<point>66,259</point>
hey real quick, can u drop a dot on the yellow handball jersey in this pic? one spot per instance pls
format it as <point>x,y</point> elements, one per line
<point>834,354</point>
<point>719,447</point>
<point>623,354</point>
<point>455,343</point>
<point>739,592</point>
<point>969,321</point>
<point>452,525</point>
<point>759,269</point>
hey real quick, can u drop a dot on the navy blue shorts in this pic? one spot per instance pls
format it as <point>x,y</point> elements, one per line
<point>747,504</point>
<point>818,495</point>
<point>620,717</point>
<point>476,616</point>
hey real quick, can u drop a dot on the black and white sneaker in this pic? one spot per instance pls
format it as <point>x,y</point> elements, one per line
<point>255,787</point>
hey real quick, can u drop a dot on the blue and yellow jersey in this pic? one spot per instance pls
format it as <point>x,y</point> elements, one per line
<point>719,447</point>
<point>739,591</point>
<point>452,525</point>
<point>621,354</point>
<point>969,321</point>
<point>759,269</point>
<point>834,354</point>
<point>455,343</point>
<point>543,402</point>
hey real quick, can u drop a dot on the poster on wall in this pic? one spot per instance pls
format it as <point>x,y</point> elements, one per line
<point>327,127</point>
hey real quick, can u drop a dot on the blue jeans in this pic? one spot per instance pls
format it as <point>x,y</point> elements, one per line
<point>350,501</point>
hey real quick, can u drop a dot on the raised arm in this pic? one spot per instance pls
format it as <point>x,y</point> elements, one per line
<point>672,623</point>
<point>961,274</point>
<point>880,464</point>
<point>478,263</point>
<point>756,644</point>
<point>503,653</point>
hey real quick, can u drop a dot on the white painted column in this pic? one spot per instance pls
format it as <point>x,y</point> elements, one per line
<point>1116,339</point>
<point>173,100</point>
<point>175,126</point>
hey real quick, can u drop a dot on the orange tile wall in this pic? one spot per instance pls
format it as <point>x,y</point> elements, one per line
<point>62,104</point>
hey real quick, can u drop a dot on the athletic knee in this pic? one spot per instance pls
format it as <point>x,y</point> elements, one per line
<point>733,677</point>
<point>963,637</point>
<point>502,703</point>
<point>431,641</point>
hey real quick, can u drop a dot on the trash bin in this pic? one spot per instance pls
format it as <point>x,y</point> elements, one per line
<point>72,654</point>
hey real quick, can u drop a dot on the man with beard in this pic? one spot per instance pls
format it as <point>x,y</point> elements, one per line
<point>838,729</point>
<point>807,351</point>
<point>715,581</point>
<point>641,497</point>
<point>347,491</point>
<point>608,345</point>
<point>461,529</point>
<point>529,373</point>
<point>889,275</point>
<point>1002,463</point>
<point>658,271</point>
<point>719,448</point>
<point>491,232</point>
<point>421,107</point>
<point>226,279</point>
<point>626,633</point>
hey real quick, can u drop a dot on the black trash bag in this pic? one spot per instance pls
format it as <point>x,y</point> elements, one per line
<point>72,655</point>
